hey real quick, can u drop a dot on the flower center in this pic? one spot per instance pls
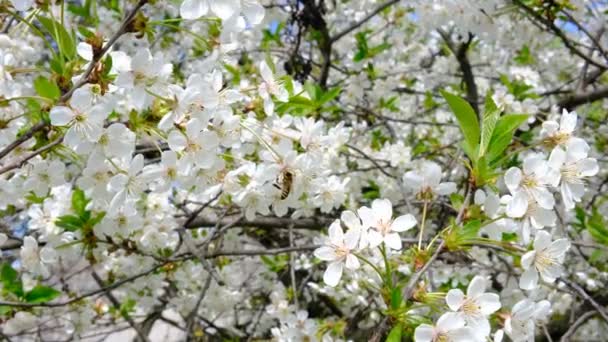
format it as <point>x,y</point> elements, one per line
<point>470,307</point>
<point>570,174</point>
<point>341,251</point>
<point>441,337</point>
<point>543,260</point>
<point>530,182</point>
<point>384,227</point>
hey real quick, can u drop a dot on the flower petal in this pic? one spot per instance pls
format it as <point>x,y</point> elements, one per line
<point>403,223</point>
<point>333,273</point>
<point>454,299</point>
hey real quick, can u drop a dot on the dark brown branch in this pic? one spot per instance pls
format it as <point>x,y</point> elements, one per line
<point>460,52</point>
<point>575,100</point>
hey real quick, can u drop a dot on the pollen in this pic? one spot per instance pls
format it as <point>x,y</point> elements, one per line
<point>530,182</point>
<point>470,308</point>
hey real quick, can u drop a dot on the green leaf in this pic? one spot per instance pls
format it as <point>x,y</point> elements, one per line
<point>490,117</point>
<point>396,298</point>
<point>467,120</point>
<point>8,274</point>
<point>395,334</point>
<point>65,40</point>
<point>46,88</point>
<point>597,227</point>
<point>69,222</point>
<point>10,280</point>
<point>41,294</point>
<point>79,202</point>
<point>329,95</point>
<point>503,134</point>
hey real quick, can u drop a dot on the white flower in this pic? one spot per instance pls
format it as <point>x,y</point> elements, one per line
<point>35,260</point>
<point>183,101</point>
<point>270,87</point>
<point>224,9</point>
<point>199,146</point>
<point>117,141</point>
<point>337,252</point>
<point>21,322</point>
<point>85,119</point>
<point>330,192</point>
<point>163,173</point>
<point>380,217</point>
<point>573,166</point>
<point>425,180</point>
<point>449,327</point>
<point>126,185</point>
<point>555,134</point>
<point>527,213</point>
<point>354,223</point>
<point>546,259</point>
<point>140,73</point>
<point>475,306</point>
<point>44,175</point>
<point>533,180</point>
<point>520,324</point>
<point>310,132</point>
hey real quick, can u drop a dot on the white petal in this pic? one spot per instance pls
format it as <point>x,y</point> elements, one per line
<point>588,167</point>
<point>61,116</point>
<point>527,259</point>
<point>333,273</point>
<point>476,287</point>
<point>351,238</point>
<point>568,121</point>
<point>326,253</point>
<point>450,321</point>
<point>489,303</point>
<point>518,206</point>
<point>423,333</point>
<point>393,240</point>
<point>193,9</point>
<point>542,240</point>
<point>559,247</point>
<point>403,223</point>
<point>85,51</point>
<point>177,141</point>
<point>374,238</point>
<point>544,197</point>
<point>383,209</point>
<point>454,299</point>
<point>136,165</point>
<point>446,188</point>
<point>513,178</point>
<point>352,262</point>
<point>225,8</point>
<point>529,280</point>
<point>350,219</point>
<point>266,73</point>
<point>253,11</point>
<point>336,235</point>
<point>551,272</point>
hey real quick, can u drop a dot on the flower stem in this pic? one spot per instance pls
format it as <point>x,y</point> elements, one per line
<point>424,208</point>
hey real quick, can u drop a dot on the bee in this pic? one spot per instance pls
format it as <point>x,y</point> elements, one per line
<point>284,182</point>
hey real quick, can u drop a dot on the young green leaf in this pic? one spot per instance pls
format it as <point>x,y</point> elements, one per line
<point>467,119</point>
<point>503,134</point>
<point>46,88</point>
<point>41,294</point>
<point>395,334</point>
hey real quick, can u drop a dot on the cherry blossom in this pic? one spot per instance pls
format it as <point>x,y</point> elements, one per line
<point>546,259</point>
